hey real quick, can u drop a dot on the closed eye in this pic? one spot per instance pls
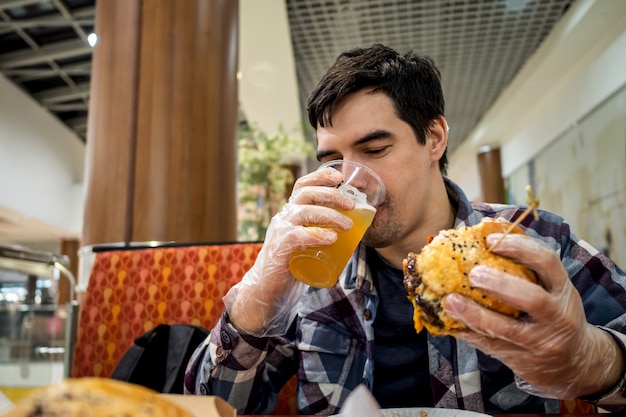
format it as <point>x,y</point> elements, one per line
<point>377,151</point>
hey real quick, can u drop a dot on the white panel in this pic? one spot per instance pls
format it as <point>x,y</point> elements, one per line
<point>268,88</point>
<point>41,165</point>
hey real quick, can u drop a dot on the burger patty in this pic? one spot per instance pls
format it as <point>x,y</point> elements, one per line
<point>430,309</point>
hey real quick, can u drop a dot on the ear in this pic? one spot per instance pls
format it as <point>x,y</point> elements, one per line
<point>437,139</point>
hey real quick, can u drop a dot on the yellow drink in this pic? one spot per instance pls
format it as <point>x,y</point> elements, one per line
<point>320,266</point>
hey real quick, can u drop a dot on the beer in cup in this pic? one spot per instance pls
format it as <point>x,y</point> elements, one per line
<point>320,266</point>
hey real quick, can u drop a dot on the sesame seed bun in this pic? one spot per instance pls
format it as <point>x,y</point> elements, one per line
<point>443,266</point>
<point>97,397</point>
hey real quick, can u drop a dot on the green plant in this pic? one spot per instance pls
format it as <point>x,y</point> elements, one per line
<point>264,175</point>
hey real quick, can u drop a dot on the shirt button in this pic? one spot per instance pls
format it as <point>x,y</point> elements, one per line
<point>225,336</point>
<point>367,314</point>
<point>219,351</point>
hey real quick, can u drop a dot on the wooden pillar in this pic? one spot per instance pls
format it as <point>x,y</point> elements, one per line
<point>490,170</point>
<point>161,137</point>
<point>69,248</point>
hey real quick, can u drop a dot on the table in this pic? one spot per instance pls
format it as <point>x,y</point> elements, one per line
<point>495,415</point>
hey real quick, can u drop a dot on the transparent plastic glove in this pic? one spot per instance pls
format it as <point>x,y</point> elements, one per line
<point>265,301</point>
<point>553,349</point>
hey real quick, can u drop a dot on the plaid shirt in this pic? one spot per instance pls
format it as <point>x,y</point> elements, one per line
<point>330,344</point>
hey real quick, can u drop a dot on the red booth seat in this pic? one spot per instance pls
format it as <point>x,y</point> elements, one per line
<point>132,290</point>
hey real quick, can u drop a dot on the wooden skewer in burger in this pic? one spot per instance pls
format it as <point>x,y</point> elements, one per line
<point>443,265</point>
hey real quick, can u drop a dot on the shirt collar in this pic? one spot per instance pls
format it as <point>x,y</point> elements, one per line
<point>459,201</point>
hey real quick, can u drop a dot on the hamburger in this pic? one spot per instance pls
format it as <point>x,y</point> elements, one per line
<point>442,267</point>
<point>97,397</point>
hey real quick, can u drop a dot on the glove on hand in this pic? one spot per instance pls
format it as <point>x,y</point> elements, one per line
<point>553,349</point>
<point>265,301</point>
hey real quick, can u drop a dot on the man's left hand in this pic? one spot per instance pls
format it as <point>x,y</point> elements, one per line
<point>552,347</point>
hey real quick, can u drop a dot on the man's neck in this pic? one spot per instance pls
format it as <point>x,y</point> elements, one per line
<point>415,241</point>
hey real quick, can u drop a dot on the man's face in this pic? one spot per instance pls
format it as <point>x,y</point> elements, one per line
<point>366,129</point>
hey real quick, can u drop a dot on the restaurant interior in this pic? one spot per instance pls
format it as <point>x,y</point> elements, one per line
<point>127,129</point>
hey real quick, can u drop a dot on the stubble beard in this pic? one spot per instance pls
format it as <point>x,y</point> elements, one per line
<point>385,228</point>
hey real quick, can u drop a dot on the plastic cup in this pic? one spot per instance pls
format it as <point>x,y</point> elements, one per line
<point>320,266</point>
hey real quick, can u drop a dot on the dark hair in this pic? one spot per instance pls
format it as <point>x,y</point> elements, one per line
<point>412,82</point>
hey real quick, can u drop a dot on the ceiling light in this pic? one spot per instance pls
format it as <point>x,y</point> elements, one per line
<point>92,39</point>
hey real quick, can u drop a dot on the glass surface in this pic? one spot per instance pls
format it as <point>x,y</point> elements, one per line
<point>34,330</point>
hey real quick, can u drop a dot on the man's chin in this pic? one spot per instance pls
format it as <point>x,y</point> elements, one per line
<point>374,239</point>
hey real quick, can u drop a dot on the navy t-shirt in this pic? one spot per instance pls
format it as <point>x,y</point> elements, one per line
<point>401,375</point>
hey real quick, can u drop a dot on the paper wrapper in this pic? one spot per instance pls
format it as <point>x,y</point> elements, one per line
<point>5,403</point>
<point>361,403</point>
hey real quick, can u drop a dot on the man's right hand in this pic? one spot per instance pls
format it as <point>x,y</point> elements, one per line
<point>264,302</point>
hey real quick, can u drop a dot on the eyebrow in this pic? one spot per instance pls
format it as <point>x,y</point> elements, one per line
<point>378,134</point>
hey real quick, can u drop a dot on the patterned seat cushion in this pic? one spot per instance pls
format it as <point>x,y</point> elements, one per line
<point>130,291</point>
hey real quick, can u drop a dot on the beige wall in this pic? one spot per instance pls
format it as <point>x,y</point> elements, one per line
<point>577,67</point>
<point>582,176</point>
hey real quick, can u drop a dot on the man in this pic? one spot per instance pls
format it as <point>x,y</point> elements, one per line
<point>386,111</point>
